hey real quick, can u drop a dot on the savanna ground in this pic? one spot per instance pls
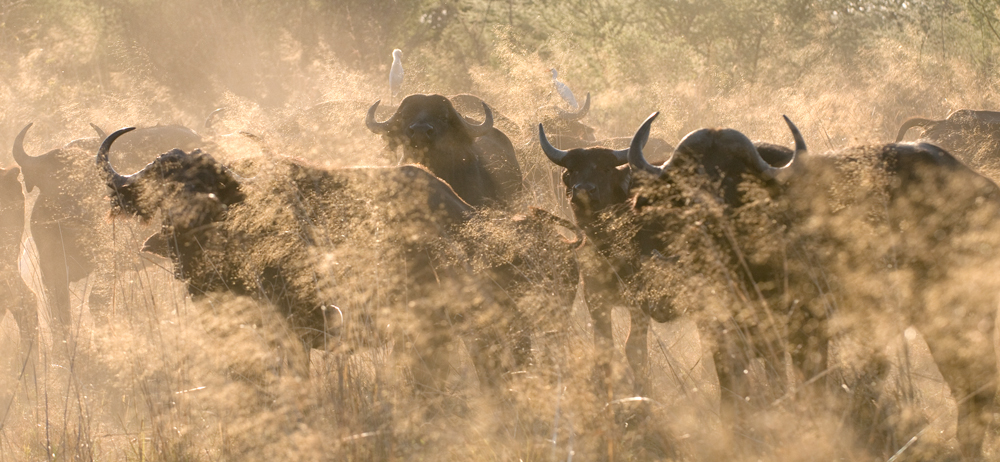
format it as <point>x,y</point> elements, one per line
<point>165,378</point>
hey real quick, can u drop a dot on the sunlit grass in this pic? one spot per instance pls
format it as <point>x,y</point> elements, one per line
<point>156,375</point>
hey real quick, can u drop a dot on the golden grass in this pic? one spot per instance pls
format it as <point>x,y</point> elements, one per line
<point>159,376</point>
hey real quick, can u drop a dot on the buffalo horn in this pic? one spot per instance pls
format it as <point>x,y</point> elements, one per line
<point>100,133</point>
<point>214,115</point>
<point>22,158</point>
<point>914,122</point>
<point>378,128</point>
<point>114,179</point>
<point>557,156</point>
<point>574,116</point>
<point>482,129</point>
<point>635,158</point>
<point>778,173</point>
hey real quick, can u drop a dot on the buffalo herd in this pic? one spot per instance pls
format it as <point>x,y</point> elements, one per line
<point>771,250</point>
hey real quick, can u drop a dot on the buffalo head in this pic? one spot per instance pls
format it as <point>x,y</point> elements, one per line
<point>595,178</point>
<point>133,151</point>
<point>963,120</point>
<point>425,123</point>
<point>49,171</point>
<point>172,182</point>
<point>478,161</point>
<point>723,155</point>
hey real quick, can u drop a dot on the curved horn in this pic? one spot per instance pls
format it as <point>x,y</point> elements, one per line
<point>482,129</point>
<point>378,128</point>
<point>264,147</point>
<point>779,173</point>
<point>557,156</point>
<point>100,133</point>
<point>635,158</point>
<point>574,116</point>
<point>214,115</point>
<point>800,143</point>
<point>114,179</point>
<point>20,156</point>
<point>914,122</point>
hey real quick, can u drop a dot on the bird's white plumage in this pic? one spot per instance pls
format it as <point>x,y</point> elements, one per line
<point>396,72</point>
<point>564,91</point>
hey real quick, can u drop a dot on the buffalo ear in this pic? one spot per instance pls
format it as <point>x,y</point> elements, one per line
<point>157,244</point>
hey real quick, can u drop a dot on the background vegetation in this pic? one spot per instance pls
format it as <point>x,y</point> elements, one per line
<point>158,381</point>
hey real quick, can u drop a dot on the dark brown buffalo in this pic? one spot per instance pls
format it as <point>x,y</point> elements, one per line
<point>17,297</point>
<point>958,121</point>
<point>710,216</point>
<point>909,232</point>
<point>65,223</point>
<point>379,241</point>
<point>865,235</point>
<point>478,161</point>
<point>973,136</point>
<point>598,182</point>
<point>66,219</point>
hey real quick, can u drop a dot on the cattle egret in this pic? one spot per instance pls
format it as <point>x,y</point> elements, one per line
<point>564,91</point>
<point>396,73</point>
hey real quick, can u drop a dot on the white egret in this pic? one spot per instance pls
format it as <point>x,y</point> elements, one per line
<point>396,73</point>
<point>564,91</point>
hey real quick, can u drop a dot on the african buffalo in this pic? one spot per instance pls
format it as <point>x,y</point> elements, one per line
<point>478,161</point>
<point>907,232</point>
<point>313,233</point>
<point>66,222</point>
<point>860,236</point>
<point>18,298</point>
<point>974,136</point>
<point>711,210</point>
<point>597,183</point>
<point>962,120</point>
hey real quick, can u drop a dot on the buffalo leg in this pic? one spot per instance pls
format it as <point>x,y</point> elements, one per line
<point>976,405</point>
<point>54,264</point>
<point>428,365</point>
<point>637,349</point>
<point>604,344</point>
<point>965,354</point>
<point>24,308</point>
<point>975,416</point>
<point>731,362</point>
<point>57,295</point>
<point>483,350</point>
<point>600,313</point>
<point>521,333</point>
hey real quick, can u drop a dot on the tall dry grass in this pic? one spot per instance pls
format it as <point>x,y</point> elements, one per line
<point>159,376</point>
